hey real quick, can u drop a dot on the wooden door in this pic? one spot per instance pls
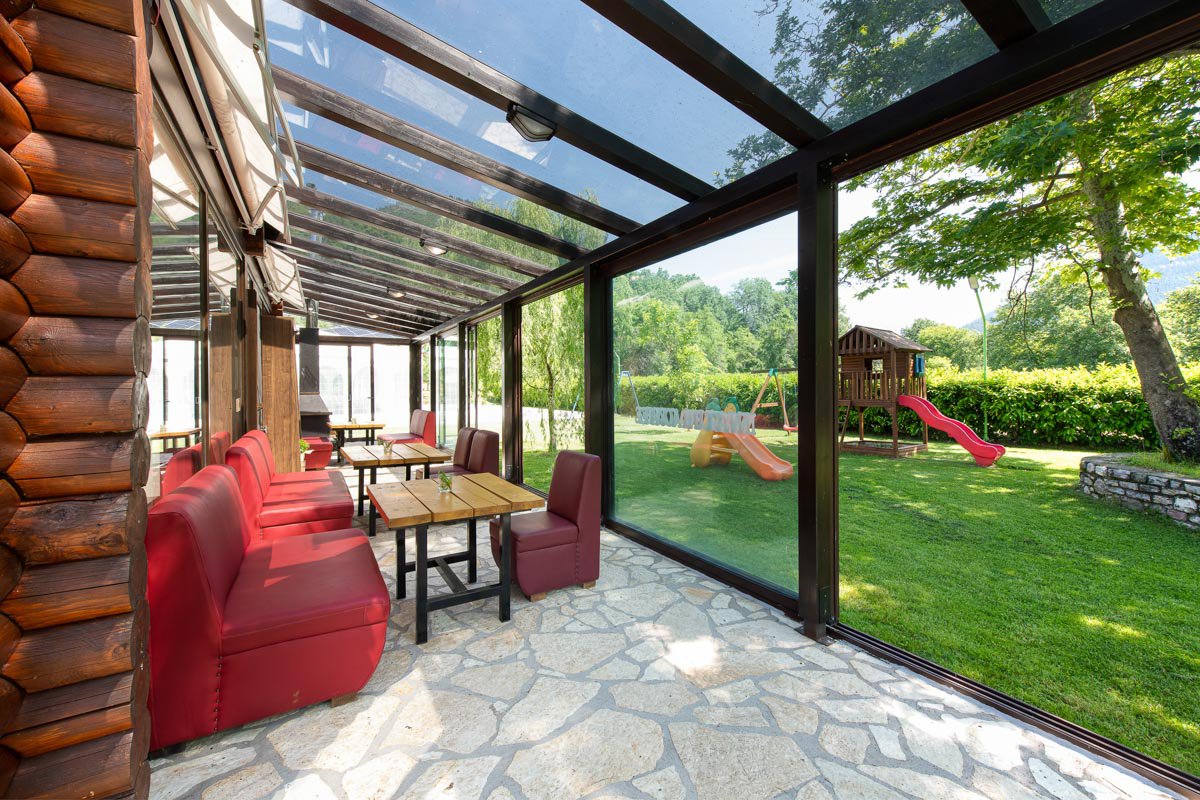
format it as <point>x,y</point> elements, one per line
<point>280,391</point>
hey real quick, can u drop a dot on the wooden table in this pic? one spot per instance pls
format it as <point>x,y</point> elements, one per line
<point>342,431</point>
<point>371,457</point>
<point>174,436</point>
<point>417,504</point>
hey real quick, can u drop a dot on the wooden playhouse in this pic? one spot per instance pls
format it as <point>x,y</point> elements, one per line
<point>875,368</point>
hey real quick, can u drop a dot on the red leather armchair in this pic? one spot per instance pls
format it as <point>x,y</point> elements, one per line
<point>182,465</point>
<point>422,427</point>
<point>560,546</point>
<point>462,454</point>
<point>475,451</point>
<point>287,503</point>
<point>242,629</point>
<point>320,453</point>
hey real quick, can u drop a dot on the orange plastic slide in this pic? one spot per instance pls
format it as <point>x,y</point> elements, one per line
<point>714,448</point>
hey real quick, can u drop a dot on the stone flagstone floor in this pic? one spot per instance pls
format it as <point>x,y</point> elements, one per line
<point>657,683</point>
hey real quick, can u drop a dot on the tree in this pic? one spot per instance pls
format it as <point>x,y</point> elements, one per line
<point>1084,182</point>
<point>962,347</point>
<point>552,352</point>
<point>1181,316</point>
<point>1056,323</point>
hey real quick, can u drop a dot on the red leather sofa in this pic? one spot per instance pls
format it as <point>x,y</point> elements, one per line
<point>422,427</point>
<point>241,629</point>
<point>287,503</point>
<point>475,451</point>
<point>218,446</point>
<point>182,465</point>
<point>320,453</point>
<point>560,546</point>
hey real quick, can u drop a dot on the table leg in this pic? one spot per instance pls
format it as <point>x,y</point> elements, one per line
<point>401,566</point>
<point>423,584</point>
<point>472,574</point>
<point>362,474</point>
<point>408,472</point>
<point>374,515</point>
<point>370,436</point>
<point>505,565</point>
<point>374,475</point>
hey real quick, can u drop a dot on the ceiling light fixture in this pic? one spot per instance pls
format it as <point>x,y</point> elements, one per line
<point>433,248</point>
<point>394,293</point>
<point>532,127</point>
<point>371,315</point>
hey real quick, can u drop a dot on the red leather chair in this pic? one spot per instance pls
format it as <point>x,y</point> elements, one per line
<point>182,465</point>
<point>287,503</point>
<point>560,546</point>
<point>242,629</point>
<point>422,427</point>
<point>218,446</point>
<point>485,452</point>
<point>320,453</point>
<point>462,454</point>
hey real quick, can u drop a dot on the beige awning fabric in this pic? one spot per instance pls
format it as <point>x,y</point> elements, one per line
<point>284,275</point>
<point>222,37</point>
<point>174,197</point>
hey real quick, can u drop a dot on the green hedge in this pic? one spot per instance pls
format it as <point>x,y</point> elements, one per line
<point>1102,408</point>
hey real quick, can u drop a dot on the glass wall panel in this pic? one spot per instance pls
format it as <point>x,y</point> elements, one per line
<point>391,386</point>
<point>704,348</point>
<point>426,389</point>
<point>335,381</point>
<point>174,397</point>
<point>447,393</point>
<point>362,402</point>
<point>488,412</point>
<point>551,382</point>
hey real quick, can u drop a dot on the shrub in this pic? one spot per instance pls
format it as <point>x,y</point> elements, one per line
<point>1075,407</point>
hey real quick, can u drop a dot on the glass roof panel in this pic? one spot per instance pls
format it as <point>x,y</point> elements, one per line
<point>342,62</point>
<point>843,61</point>
<point>574,56</point>
<point>369,152</point>
<point>1058,10</point>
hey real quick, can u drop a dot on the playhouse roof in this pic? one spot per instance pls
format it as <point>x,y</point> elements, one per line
<point>892,339</point>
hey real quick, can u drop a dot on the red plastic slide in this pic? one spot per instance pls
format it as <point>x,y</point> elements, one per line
<point>985,453</point>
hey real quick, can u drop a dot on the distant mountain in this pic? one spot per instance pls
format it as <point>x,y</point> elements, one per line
<point>1174,273</point>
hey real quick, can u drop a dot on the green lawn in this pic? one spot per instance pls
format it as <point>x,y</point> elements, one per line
<point>1007,575</point>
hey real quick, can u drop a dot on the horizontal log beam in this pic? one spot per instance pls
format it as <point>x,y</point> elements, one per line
<point>82,346</point>
<point>15,186</point>
<point>15,60</point>
<point>53,705</point>
<point>96,768</point>
<point>71,226</point>
<point>63,165</point>
<point>58,104</point>
<point>91,287</point>
<point>67,466</point>
<point>66,654</point>
<point>75,591</point>
<point>344,110</point>
<point>43,739</point>
<point>14,120</point>
<point>389,248</point>
<point>52,531</point>
<point>351,172</point>
<point>62,405</point>
<point>394,223</point>
<point>79,49</point>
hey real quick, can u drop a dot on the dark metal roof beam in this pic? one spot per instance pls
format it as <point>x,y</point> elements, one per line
<point>435,301</point>
<point>1008,21</point>
<point>393,223</point>
<point>396,270</point>
<point>363,308</point>
<point>373,180</point>
<point>327,270</point>
<point>325,279</point>
<point>390,248</point>
<point>398,37</point>
<point>344,110</point>
<point>674,37</point>
<point>356,320</point>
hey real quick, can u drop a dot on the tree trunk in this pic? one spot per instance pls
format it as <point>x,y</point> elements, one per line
<point>1176,416</point>
<point>553,443</point>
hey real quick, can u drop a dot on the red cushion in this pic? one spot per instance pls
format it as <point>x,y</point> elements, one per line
<point>183,465</point>
<point>304,586</point>
<point>537,529</point>
<point>303,502</point>
<point>398,437</point>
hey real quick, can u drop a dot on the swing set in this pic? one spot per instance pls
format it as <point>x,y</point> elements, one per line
<point>781,403</point>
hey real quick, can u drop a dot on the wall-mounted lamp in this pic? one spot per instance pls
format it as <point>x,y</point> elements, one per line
<point>433,248</point>
<point>532,127</point>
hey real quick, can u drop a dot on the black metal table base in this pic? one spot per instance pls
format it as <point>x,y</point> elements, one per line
<point>460,593</point>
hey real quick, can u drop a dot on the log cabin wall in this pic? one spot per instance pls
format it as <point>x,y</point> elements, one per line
<point>75,148</point>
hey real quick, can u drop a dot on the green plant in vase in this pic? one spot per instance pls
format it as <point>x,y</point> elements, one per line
<point>445,481</point>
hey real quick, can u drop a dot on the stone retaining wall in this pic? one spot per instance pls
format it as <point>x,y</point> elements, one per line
<point>1176,496</point>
